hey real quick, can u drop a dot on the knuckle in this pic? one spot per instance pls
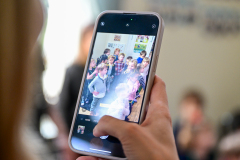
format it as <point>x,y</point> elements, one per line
<point>166,115</point>
<point>130,129</point>
<point>163,113</point>
<point>104,119</point>
<point>147,122</point>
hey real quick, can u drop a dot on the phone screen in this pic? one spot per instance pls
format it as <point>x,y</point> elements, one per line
<point>117,74</point>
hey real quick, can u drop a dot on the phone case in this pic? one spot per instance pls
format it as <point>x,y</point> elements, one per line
<point>152,71</point>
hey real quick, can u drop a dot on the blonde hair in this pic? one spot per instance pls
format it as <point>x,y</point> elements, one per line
<point>146,59</point>
<point>139,66</point>
<point>134,61</point>
<point>17,42</point>
<point>93,60</point>
<point>122,54</point>
<point>111,56</point>
<point>117,49</point>
<point>101,66</point>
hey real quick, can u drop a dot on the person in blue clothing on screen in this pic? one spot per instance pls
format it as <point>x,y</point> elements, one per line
<point>143,54</point>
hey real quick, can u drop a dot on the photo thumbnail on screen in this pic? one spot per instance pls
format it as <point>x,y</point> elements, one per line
<point>116,76</point>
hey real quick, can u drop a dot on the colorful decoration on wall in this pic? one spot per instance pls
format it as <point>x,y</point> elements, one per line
<point>117,38</point>
<point>142,39</point>
<point>139,47</point>
<point>113,46</point>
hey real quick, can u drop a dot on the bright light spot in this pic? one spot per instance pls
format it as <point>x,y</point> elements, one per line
<point>65,20</point>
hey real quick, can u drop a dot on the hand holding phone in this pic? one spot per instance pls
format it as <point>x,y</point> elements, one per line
<point>153,139</point>
<point>128,38</point>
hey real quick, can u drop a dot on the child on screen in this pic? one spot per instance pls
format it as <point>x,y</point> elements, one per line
<point>145,63</point>
<point>107,51</point>
<point>98,86</point>
<point>132,66</point>
<point>116,53</point>
<point>129,58</point>
<point>143,54</point>
<point>91,74</point>
<point>104,57</point>
<point>119,64</point>
<point>111,71</point>
<point>140,69</point>
<point>133,85</point>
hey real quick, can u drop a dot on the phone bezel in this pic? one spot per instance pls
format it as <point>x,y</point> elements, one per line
<point>152,71</point>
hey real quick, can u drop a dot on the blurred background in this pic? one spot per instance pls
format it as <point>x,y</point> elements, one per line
<point>199,62</point>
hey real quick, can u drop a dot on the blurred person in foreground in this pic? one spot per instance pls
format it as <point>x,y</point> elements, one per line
<point>19,30</point>
<point>194,135</point>
<point>20,24</point>
<point>68,97</point>
<point>73,78</point>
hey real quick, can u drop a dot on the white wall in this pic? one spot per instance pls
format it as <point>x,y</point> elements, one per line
<point>129,41</point>
<point>208,62</point>
<point>100,45</point>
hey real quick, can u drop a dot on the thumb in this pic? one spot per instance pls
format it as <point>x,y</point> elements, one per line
<point>108,125</point>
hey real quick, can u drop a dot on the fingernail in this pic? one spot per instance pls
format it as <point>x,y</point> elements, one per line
<point>94,130</point>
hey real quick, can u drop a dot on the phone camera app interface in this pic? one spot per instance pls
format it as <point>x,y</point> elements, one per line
<point>116,77</point>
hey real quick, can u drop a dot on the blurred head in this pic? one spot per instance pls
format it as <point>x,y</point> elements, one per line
<point>129,58</point>
<point>197,139</point>
<point>111,59</point>
<point>203,138</point>
<point>103,58</point>
<point>132,65</point>
<point>191,107</point>
<point>85,41</point>
<point>145,61</point>
<point>102,68</point>
<point>143,54</point>
<point>121,57</point>
<point>116,51</point>
<point>107,51</point>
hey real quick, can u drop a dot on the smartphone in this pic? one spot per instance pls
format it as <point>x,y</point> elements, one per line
<point>118,78</point>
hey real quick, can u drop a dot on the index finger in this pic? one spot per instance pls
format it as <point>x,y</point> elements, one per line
<point>158,98</point>
<point>158,93</point>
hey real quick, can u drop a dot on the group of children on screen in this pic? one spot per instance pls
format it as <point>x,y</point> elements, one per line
<point>126,78</point>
